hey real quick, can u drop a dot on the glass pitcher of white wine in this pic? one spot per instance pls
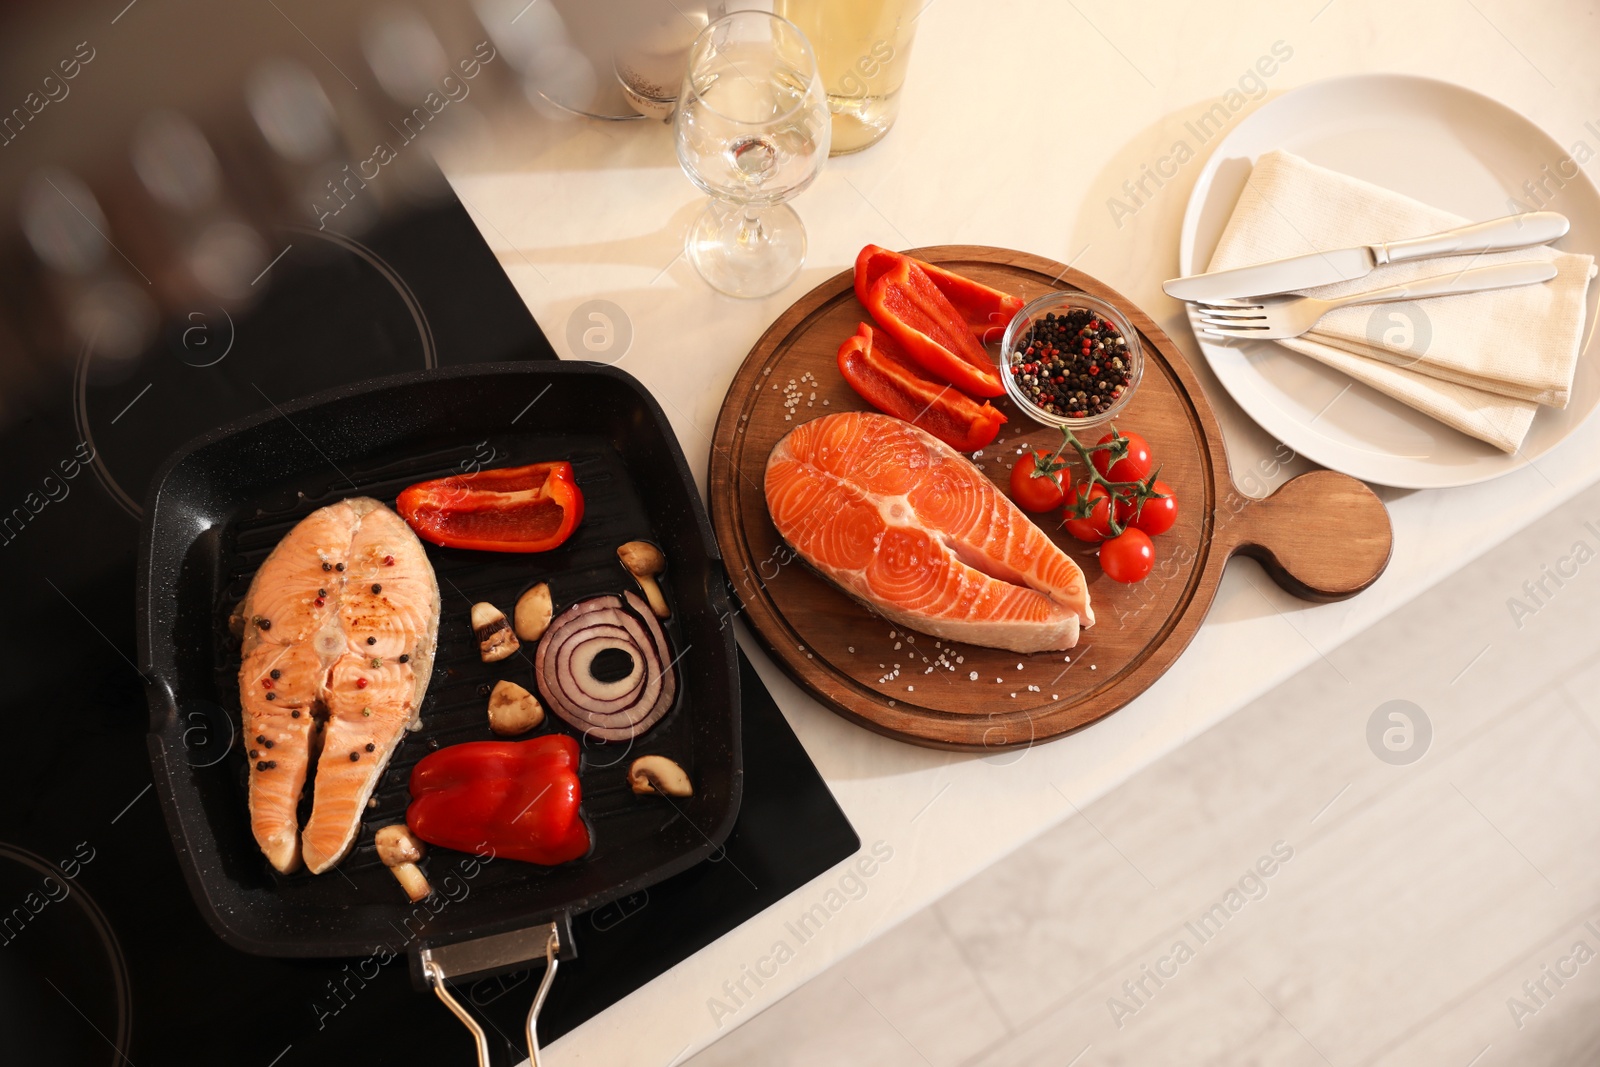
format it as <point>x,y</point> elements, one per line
<point>863,48</point>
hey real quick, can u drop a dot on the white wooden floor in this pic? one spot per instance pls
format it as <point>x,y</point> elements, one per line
<point>1440,911</point>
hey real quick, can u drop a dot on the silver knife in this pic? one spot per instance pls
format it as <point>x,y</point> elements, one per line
<point>1325,268</point>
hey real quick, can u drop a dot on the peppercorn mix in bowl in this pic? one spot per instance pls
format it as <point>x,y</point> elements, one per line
<point>1068,359</point>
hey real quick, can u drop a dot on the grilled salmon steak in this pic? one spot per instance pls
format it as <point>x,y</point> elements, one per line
<point>340,627</point>
<point>906,524</point>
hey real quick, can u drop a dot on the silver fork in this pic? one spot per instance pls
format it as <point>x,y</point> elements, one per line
<point>1269,318</point>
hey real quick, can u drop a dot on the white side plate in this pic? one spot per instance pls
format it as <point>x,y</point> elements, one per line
<point>1441,144</point>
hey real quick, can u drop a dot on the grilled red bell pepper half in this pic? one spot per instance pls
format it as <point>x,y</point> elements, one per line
<point>511,509</point>
<point>518,799</point>
<point>913,311</point>
<point>883,375</point>
<point>986,311</point>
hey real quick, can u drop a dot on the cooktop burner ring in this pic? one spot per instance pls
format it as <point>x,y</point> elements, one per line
<point>40,870</point>
<point>85,358</point>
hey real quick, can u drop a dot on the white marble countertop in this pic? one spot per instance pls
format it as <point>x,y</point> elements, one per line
<point>583,210</point>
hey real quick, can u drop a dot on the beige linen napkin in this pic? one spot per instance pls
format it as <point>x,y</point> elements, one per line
<point>1479,362</point>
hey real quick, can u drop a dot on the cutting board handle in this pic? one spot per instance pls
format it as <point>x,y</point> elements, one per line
<point>1322,536</point>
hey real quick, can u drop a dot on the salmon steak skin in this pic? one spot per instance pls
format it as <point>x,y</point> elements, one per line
<point>340,626</point>
<point>910,527</point>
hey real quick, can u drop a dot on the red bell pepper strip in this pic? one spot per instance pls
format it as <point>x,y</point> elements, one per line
<point>512,509</point>
<point>986,311</point>
<point>913,311</point>
<point>517,798</point>
<point>877,369</point>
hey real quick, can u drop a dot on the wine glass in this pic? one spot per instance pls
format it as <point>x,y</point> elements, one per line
<point>752,130</point>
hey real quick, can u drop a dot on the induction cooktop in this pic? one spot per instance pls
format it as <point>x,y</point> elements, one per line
<point>104,958</point>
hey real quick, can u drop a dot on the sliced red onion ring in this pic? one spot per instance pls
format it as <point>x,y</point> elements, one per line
<point>606,711</point>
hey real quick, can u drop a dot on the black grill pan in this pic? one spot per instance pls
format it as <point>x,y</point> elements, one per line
<point>221,503</point>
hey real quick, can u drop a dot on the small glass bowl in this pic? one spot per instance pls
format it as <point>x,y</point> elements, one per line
<point>1059,303</point>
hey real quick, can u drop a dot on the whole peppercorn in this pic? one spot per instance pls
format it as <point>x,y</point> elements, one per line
<point>1084,360</point>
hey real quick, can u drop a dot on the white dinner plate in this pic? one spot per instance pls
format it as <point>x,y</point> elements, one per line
<point>1443,145</point>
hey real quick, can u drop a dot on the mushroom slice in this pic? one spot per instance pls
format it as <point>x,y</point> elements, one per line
<point>400,852</point>
<point>513,710</point>
<point>532,615</point>
<point>644,561</point>
<point>495,639</point>
<point>658,774</point>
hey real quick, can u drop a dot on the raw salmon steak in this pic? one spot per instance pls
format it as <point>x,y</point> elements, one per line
<point>340,627</point>
<point>906,524</point>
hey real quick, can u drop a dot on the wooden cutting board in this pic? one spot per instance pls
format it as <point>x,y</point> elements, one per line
<point>1322,536</point>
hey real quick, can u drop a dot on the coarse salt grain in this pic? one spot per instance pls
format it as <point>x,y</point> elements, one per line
<point>973,676</point>
<point>897,646</point>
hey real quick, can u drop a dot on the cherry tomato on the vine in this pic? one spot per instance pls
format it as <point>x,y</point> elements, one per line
<point>1096,525</point>
<point>1156,515</point>
<point>1036,482</point>
<point>1128,557</point>
<point>1135,466</point>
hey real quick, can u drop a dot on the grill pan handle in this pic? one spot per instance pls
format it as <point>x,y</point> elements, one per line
<point>440,964</point>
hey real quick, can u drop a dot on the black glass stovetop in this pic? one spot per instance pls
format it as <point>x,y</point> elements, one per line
<point>103,957</point>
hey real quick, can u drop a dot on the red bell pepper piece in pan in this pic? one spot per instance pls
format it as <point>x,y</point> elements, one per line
<point>912,310</point>
<point>986,311</point>
<point>511,509</point>
<point>889,381</point>
<point>517,798</point>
